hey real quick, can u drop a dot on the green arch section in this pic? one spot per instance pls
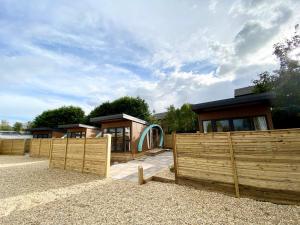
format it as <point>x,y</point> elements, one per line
<point>147,129</point>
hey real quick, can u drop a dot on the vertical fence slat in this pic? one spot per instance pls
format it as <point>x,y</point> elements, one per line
<point>40,147</point>
<point>108,153</point>
<point>50,152</point>
<point>83,156</point>
<point>1,144</point>
<point>233,163</point>
<point>175,157</point>
<point>65,160</point>
<point>11,146</point>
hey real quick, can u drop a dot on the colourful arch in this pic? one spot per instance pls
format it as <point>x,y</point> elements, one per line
<point>147,129</point>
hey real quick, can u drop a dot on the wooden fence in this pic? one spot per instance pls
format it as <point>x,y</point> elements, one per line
<point>12,146</point>
<point>40,147</point>
<point>85,155</point>
<point>261,164</point>
<point>168,141</point>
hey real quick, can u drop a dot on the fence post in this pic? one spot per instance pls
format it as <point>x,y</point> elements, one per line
<point>83,157</point>
<point>11,146</point>
<point>1,143</point>
<point>51,149</point>
<point>30,147</point>
<point>175,156</point>
<point>40,147</point>
<point>108,153</point>
<point>24,145</point>
<point>140,175</point>
<point>65,162</point>
<point>233,164</point>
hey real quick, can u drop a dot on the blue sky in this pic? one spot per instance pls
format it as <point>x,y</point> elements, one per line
<point>59,52</point>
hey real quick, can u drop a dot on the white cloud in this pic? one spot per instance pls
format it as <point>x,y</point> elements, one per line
<point>168,52</point>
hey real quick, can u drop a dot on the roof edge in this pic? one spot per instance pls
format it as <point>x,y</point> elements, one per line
<point>117,117</point>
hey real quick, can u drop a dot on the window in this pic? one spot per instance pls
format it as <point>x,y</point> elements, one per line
<point>243,124</point>
<point>235,124</point>
<point>120,138</point>
<point>76,134</point>
<point>260,123</point>
<point>222,126</point>
<point>41,136</point>
<point>207,126</point>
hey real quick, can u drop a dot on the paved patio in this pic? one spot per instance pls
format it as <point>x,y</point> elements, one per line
<point>151,164</point>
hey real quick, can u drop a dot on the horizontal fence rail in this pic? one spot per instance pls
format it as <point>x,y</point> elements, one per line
<point>260,164</point>
<point>12,146</point>
<point>84,155</point>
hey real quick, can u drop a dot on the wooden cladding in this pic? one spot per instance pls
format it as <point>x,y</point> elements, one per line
<point>261,164</point>
<point>40,147</point>
<point>83,155</point>
<point>12,146</point>
<point>168,141</point>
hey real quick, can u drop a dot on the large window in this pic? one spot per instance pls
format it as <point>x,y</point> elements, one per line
<point>76,134</point>
<point>260,123</point>
<point>243,124</point>
<point>222,125</point>
<point>41,136</point>
<point>120,138</point>
<point>207,126</point>
<point>235,124</point>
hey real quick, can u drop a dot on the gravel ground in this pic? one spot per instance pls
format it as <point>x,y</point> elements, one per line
<point>10,159</point>
<point>89,200</point>
<point>31,175</point>
<point>166,173</point>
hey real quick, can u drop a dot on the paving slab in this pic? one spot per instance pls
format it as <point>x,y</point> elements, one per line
<point>151,164</point>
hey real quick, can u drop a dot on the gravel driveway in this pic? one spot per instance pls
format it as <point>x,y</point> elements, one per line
<point>32,194</point>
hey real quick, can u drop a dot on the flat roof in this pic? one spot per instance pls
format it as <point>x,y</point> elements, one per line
<point>45,129</point>
<point>244,91</point>
<point>262,98</point>
<point>78,125</point>
<point>160,116</point>
<point>121,116</point>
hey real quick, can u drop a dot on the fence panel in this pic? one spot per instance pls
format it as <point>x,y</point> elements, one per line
<point>260,164</point>
<point>85,155</point>
<point>168,141</point>
<point>35,147</point>
<point>40,147</point>
<point>12,146</point>
<point>58,153</point>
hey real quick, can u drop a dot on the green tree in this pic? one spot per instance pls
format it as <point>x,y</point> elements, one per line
<point>285,83</point>
<point>5,126</point>
<point>265,82</point>
<point>60,116</point>
<point>136,107</point>
<point>18,126</point>
<point>182,119</point>
<point>27,125</point>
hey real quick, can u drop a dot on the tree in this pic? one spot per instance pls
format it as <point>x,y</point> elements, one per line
<point>285,83</point>
<point>181,120</point>
<point>264,83</point>
<point>60,116</point>
<point>136,107</point>
<point>18,126</point>
<point>5,126</point>
<point>27,125</point>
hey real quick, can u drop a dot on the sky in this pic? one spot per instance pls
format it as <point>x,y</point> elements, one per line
<point>65,52</point>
